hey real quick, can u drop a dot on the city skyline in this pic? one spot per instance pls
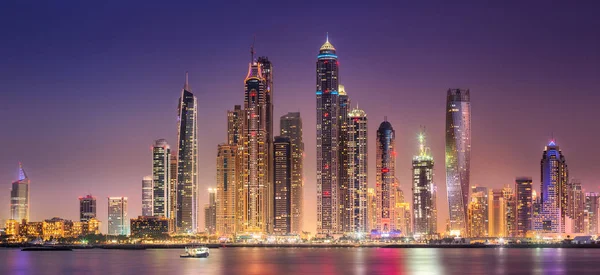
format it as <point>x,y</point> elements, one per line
<point>500,173</point>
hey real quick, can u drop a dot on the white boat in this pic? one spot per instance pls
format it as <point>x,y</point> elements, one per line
<point>195,252</point>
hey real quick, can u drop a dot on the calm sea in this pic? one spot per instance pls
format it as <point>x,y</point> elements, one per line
<point>306,261</point>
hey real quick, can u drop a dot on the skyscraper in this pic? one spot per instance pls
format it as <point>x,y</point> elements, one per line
<point>511,208</point>
<point>423,189</point>
<point>228,176</point>
<point>161,159</point>
<point>147,196</point>
<point>357,172</point>
<point>592,204</point>
<point>524,206</point>
<point>291,127</point>
<point>385,182</point>
<point>481,194</point>
<point>256,152</point>
<point>555,176</point>
<point>172,211</point>
<point>19,197</point>
<point>328,220</point>
<point>87,208</point>
<point>344,180</point>
<point>371,209</point>
<point>458,155</point>
<point>282,185</point>
<point>476,217</point>
<point>497,213</point>
<point>210,212</point>
<point>266,68</point>
<point>118,223</point>
<point>187,167</point>
<point>576,207</point>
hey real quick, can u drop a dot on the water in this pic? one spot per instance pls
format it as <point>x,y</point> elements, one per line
<point>306,261</point>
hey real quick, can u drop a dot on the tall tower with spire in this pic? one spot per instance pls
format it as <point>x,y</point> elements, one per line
<point>187,166</point>
<point>424,191</point>
<point>19,197</point>
<point>328,213</point>
<point>386,184</point>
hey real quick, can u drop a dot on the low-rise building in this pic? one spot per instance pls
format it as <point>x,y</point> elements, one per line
<point>151,226</point>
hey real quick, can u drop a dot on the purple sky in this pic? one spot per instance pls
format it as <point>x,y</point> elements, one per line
<point>85,89</point>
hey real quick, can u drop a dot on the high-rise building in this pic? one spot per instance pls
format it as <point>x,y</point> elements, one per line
<point>481,193</point>
<point>291,127</point>
<point>524,206</point>
<point>385,181</point>
<point>266,68</point>
<point>187,167</point>
<point>228,176</point>
<point>256,152</point>
<point>402,213</point>
<point>172,211</point>
<point>344,180</point>
<point>147,199</point>
<point>511,208</point>
<point>476,217</point>
<point>210,212</point>
<point>371,209</point>
<point>356,164</point>
<point>576,207</point>
<point>497,213</point>
<point>282,185</point>
<point>19,197</point>
<point>328,205</point>
<point>87,208</point>
<point>161,159</point>
<point>424,191</point>
<point>555,176</point>
<point>458,155</point>
<point>118,223</point>
<point>592,205</point>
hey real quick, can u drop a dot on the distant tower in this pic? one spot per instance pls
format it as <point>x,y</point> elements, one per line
<point>385,181</point>
<point>497,213</point>
<point>524,210</point>
<point>344,179</point>
<point>282,185</point>
<point>291,127</point>
<point>458,155</point>
<point>371,209</point>
<point>118,223</point>
<point>328,220</point>
<point>576,207</point>
<point>266,69</point>
<point>592,208</point>
<point>147,196</point>
<point>210,212</point>
<point>87,208</point>
<point>161,159</point>
<point>481,194</point>
<point>423,189</point>
<point>19,197</point>
<point>228,183</point>
<point>555,176</point>
<point>357,173</point>
<point>172,211</point>
<point>187,166</point>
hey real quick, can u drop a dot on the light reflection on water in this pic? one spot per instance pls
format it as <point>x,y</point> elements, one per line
<point>306,261</point>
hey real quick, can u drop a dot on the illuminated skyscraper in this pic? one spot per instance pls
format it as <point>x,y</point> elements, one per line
<point>592,204</point>
<point>147,196</point>
<point>402,213</point>
<point>266,68</point>
<point>458,155</point>
<point>511,208</point>
<point>328,220</point>
<point>210,212</point>
<point>187,167</point>
<point>524,206</point>
<point>19,197</point>
<point>371,209</point>
<point>282,185</point>
<point>256,148</point>
<point>385,182</point>
<point>228,176</point>
<point>291,127</point>
<point>172,211</point>
<point>161,159</point>
<point>87,208</point>
<point>423,189</point>
<point>344,180</point>
<point>476,217</point>
<point>356,163</point>
<point>576,207</point>
<point>118,223</point>
<point>497,213</point>
<point>481,194</point>
<point>555,176</point>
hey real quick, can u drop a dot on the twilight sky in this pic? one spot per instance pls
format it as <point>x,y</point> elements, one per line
<point>86,88</point>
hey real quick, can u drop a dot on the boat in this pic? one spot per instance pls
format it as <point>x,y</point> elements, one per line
<point>195,252</point>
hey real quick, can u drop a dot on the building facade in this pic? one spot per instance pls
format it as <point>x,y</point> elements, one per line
<point>151,226</point>
<point>328,220</point>
<point>227,188</point>
<point>385,181</point>
<point>291,127</point>
<point>524,206</point>
<point>210,212</point>
<point>87,208</point>
<point>424,191</point>
<point>147,199</point>
<point>282,185</point>
<point>458,155</point>
<point>481,194</point>
<point>553,202</point>
<point>576,207</point>
<point>186,217</point>
<point>357,172</point>
<point>118,223</point>
<point>161,159</point>
<point>19,197</point>
<point>592,208</point>
<point>497,213</point>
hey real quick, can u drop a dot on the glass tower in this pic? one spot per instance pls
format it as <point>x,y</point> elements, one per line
<point>424,204</point>
<point>328,220</point>
<point>87,208</point>
<point>161,158</point>
<point>118,223</point>
<point>147,196</point>
<point>187,167</point>
<point>357,133</point>
<point>554,196</point>
<point>385,182</point>
<point>458,156</point>
<point>282,185</point>
<point>291,127</point>
<point>524,210</point>
<point>19,197</point>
